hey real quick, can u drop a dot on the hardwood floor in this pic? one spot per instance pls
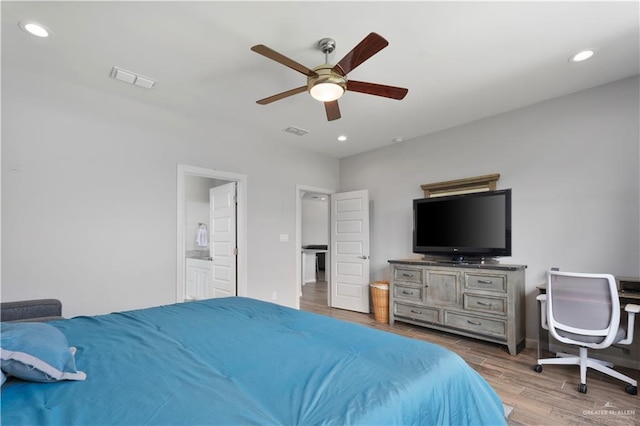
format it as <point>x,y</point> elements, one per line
<point>547,398</point>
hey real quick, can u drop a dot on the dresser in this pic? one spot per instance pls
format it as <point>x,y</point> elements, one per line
<point>484,301</point>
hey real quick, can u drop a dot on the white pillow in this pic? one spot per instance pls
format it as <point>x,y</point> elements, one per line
<point>37,352</point>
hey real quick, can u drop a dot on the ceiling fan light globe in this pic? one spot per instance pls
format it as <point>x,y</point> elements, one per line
<point>326,92</point>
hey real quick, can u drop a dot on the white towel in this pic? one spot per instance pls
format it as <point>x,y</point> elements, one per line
<point>202,239</point>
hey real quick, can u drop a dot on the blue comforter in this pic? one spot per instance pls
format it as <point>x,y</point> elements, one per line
<point>238,361</point>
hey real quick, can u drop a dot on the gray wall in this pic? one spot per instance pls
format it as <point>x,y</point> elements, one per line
<point>89,196</point>
<point>89,190</point>
<point>572,163</point>
<point>315,222</point>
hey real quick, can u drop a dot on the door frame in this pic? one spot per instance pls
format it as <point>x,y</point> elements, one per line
<point>241,224</point>
<point>300,190</point>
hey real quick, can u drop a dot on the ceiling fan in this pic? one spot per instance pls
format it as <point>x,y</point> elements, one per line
<point>327,83</point>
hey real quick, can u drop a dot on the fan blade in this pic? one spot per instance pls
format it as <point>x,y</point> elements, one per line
<point>280,58</point>
<point>282,95</point>
<point>377,89</point>
<point>333,110</point>
<point>369,46</point>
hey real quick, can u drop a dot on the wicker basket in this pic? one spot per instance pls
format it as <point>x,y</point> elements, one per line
<point>380,296</point>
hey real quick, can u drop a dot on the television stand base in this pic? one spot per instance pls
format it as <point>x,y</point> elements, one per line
<point>463,260</point>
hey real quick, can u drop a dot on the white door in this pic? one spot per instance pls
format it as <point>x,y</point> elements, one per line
<point>222,205</point>
<point>350,251</point>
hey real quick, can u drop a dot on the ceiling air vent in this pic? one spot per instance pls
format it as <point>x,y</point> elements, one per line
<point>132,78</point>
<point>296,131</point>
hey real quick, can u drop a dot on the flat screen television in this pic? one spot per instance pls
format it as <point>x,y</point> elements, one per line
<point>466,226</point>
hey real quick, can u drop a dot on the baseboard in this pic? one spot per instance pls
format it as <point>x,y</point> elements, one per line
<point>508,410</point>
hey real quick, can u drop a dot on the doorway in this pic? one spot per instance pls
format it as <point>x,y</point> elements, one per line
<point>312,241</point>
<point>188,179</point>
<point>347,261</point>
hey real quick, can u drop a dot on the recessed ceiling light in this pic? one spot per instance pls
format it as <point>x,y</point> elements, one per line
<point>342,138</point>
<point>34,28</point>
<point>397,139</point>
<point>582,56</point>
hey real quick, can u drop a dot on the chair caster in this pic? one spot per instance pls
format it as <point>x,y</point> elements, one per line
<point>537,368</point>
<point>631,390</point>
<point>582,388</point>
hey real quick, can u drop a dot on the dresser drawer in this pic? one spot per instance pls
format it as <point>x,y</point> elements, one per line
<point>417,313</point>
<point>409,293</point>
<point>481,303</point>
<point>475,324</point>
<point>486,282</point>
<point>408,275</point>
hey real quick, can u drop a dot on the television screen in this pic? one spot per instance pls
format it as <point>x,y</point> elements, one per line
<point>476,224</point>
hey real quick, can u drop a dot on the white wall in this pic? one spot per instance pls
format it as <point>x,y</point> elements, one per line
<point>572,163</point>
<point>89,196</point>
<point>315,222</point>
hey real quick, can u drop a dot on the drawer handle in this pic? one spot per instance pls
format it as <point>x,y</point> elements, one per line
<point>404,274</point>
<point>416,312</point>
<point>407,292</point>
<point>485,282</point>
<point>474,323</point>
<point>484,304</point>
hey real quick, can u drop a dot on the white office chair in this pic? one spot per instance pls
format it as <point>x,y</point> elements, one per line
<point>584,310</point>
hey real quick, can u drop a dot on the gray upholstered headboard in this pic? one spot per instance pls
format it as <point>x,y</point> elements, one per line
<point>39,310</point>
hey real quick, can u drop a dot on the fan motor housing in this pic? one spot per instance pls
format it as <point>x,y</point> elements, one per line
<point>326,74</point>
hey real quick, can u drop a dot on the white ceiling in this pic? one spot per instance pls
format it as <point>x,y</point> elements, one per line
<point>461,61</point>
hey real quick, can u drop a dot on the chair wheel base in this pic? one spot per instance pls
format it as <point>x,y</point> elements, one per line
<point>582,388</point>
<point>537,368</point>
<point>631,390</point>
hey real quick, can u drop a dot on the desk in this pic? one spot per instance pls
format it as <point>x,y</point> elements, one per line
<point>623,355</point>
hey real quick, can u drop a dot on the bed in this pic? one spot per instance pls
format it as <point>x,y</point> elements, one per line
<point>240,361</point>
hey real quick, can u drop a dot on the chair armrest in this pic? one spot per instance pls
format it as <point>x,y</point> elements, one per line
<point>31,310</point>
<point>542,298</point>
<point>632,308</point>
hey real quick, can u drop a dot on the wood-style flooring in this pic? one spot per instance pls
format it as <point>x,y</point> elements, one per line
<point>547,398</point>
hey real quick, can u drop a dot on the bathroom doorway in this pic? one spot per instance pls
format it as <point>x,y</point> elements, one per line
<point>193,214</point>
